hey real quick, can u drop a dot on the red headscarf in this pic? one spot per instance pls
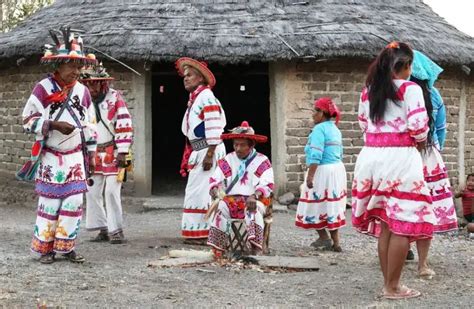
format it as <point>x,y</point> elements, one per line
<point>327,105</point>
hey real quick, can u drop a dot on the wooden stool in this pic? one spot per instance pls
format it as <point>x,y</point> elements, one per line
<point>268,220</point>
<point>237,236</point>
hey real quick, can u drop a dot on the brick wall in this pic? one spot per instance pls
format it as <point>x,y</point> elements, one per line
<point>16,85</point>
<point>343,81</point>
<point>304,82</point>
<point>469,126</point>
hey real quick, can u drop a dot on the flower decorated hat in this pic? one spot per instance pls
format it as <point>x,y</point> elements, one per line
<point>244,131</point>
<point>93,73</point>
<point>71,49</point>
<point>201,66</point>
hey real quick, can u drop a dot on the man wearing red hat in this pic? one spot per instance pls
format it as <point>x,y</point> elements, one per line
<point>60,114</point>
<point>243,181</point>
<point>203,124</point>
<point>114,139</point>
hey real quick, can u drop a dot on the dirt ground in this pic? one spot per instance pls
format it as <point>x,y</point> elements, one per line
<point>118,276</point>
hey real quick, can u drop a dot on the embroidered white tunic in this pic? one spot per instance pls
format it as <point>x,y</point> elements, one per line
<point>257,176</point>
<point>61,177</point>
<point>204,119</point>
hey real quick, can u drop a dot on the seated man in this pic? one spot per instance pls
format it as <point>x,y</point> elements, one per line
<point>244,182</point>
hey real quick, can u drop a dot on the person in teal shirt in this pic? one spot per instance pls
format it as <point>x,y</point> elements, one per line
<point>425,72</point>
<point>323,195</point>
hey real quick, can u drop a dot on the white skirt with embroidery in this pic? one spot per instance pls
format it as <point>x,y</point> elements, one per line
<point>323,206</point>
<point>389,186</point>
<point>436,177</point>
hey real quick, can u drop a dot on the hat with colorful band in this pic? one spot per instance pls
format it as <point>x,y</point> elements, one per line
<point>95,73</point>
<point>244,131</point>
<point>70,50</point>
<point>201,66</point>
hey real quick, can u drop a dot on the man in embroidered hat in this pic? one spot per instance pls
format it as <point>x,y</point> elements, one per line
<point>60,114</point>
<point>114,139</point>
<point>243,181</point>
<point>203,124</point>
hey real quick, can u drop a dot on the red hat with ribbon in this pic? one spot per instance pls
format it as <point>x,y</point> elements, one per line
<point>327,105</point>
<point>244,131</point>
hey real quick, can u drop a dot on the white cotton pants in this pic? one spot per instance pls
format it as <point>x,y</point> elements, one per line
<point>109,217</point>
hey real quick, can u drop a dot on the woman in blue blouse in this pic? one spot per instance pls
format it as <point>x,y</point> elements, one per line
<point>425,72</point>
<point>323,195</point>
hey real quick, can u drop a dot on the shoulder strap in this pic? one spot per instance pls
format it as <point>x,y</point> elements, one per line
<point>107,127</point>
<point>236,178</point>
<point>99,116</point>
<point>63,106</point>
<point>83,138</point>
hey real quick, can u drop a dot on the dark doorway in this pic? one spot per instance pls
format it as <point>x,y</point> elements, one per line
<point>243,91</point>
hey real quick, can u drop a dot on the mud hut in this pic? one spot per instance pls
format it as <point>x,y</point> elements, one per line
<point>271,60</point>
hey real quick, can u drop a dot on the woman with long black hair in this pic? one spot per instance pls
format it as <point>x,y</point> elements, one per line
<point>390,197</point>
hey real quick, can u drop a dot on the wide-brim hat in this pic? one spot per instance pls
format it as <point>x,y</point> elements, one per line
<point>70,50</point>
<point>244,131</point>
<point>201,66</point>
<point>95,73</point>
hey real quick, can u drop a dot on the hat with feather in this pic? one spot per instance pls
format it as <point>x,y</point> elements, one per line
<point>94,73</point>
<point>70,50</point>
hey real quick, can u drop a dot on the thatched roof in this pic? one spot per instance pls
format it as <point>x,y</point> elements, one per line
<point>231,31</point>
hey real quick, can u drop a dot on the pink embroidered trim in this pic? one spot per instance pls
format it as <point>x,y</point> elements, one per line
<point>321,225</point>
<point>367,223</point>
<point>389,140</point>
<point>59,153</point>
<point>261,190</point>
<point>453,226</point>
<point>194,211</point>
<point>419,131</point>
<point>394,193</point>
<point>365,95</point>
<point>436,177</point>
<point>403,88</point>
<point>213,128</point>
<point>325,199</point>
<point>213,118</point>
<point>443,196</point>
<point>416,111</point>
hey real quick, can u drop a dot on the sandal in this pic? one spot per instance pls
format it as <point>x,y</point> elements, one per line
<point>74,257</point>
<point>336,248</point>
<point>47,258</point>
<point>404,293</point>
<point>102,236</point>
<point>117,239</point>
<point>426,273</point>
<point>322,243</point>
